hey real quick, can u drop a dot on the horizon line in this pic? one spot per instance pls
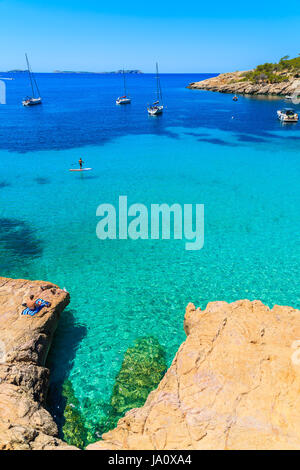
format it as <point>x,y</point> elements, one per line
<point>67,72</point>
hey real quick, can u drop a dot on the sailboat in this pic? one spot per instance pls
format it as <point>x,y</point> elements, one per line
<point>157,107</point>
<point>123,99</point>
<point>35,98</point>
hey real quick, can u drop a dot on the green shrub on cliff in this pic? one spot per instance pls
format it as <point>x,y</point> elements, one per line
<point>143,367</point>
<point>74,431</point>
<point>275,72</point>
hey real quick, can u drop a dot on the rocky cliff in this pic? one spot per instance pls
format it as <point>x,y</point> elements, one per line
<point>24,344</point>
<point>234,83</point>
<point>233,384</point>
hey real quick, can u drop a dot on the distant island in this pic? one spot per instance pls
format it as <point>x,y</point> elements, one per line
<point>100,73</point>
<point>71,71</point>
<point>281,78</point>
<point>15,71</point>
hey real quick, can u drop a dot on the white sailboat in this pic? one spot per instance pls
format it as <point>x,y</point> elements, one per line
<point>157,107</point>
<point>35,98</point>
<point>123,99</point>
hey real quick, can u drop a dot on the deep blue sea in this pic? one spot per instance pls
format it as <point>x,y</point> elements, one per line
<point>235,158</point>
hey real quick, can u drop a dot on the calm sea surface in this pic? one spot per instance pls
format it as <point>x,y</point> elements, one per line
<point>235,158</point>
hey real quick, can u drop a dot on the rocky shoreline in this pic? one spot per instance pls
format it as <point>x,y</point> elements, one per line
<point>233,384</point>
<point>24,344</point>
<point>233,83</point>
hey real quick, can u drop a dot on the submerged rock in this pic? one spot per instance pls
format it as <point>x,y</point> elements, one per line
<point>74,430</point>
<point>233,384</point>
<point>143,367</point>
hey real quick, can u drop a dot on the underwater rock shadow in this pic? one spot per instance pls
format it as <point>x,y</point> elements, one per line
<point>197,134</point>
<point>16,236</point>
<point>68,336</point>
<point>41,180</point>
<point>219,142</point>
<point>4,184</point>
<point>250,138</point>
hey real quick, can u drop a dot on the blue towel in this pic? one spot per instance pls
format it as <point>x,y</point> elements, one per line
<point>39,304</point>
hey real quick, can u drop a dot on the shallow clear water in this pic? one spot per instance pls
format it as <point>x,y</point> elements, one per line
<point>233,157</point>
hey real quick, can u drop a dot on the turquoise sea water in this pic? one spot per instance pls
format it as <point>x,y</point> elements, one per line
<point>234,158</point>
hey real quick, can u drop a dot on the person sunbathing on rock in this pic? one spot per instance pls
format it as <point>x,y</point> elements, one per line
<point>30,302</point>
<point>33,305</point>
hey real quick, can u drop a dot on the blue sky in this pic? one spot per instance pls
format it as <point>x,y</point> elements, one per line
<point>183,36</point>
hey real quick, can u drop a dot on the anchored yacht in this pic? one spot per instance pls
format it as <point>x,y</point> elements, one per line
<point>287,115</point>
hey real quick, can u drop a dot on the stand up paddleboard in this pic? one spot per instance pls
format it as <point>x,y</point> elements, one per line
<point>82,169</point>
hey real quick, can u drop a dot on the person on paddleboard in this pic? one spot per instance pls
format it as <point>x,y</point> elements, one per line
<point>80,161</point>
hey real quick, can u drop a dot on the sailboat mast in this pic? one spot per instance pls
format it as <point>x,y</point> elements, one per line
<point>159,92</point>
<point>125,94</point>
<point>29,73</point>
<point>37,88</point>
<point>157,82</point>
